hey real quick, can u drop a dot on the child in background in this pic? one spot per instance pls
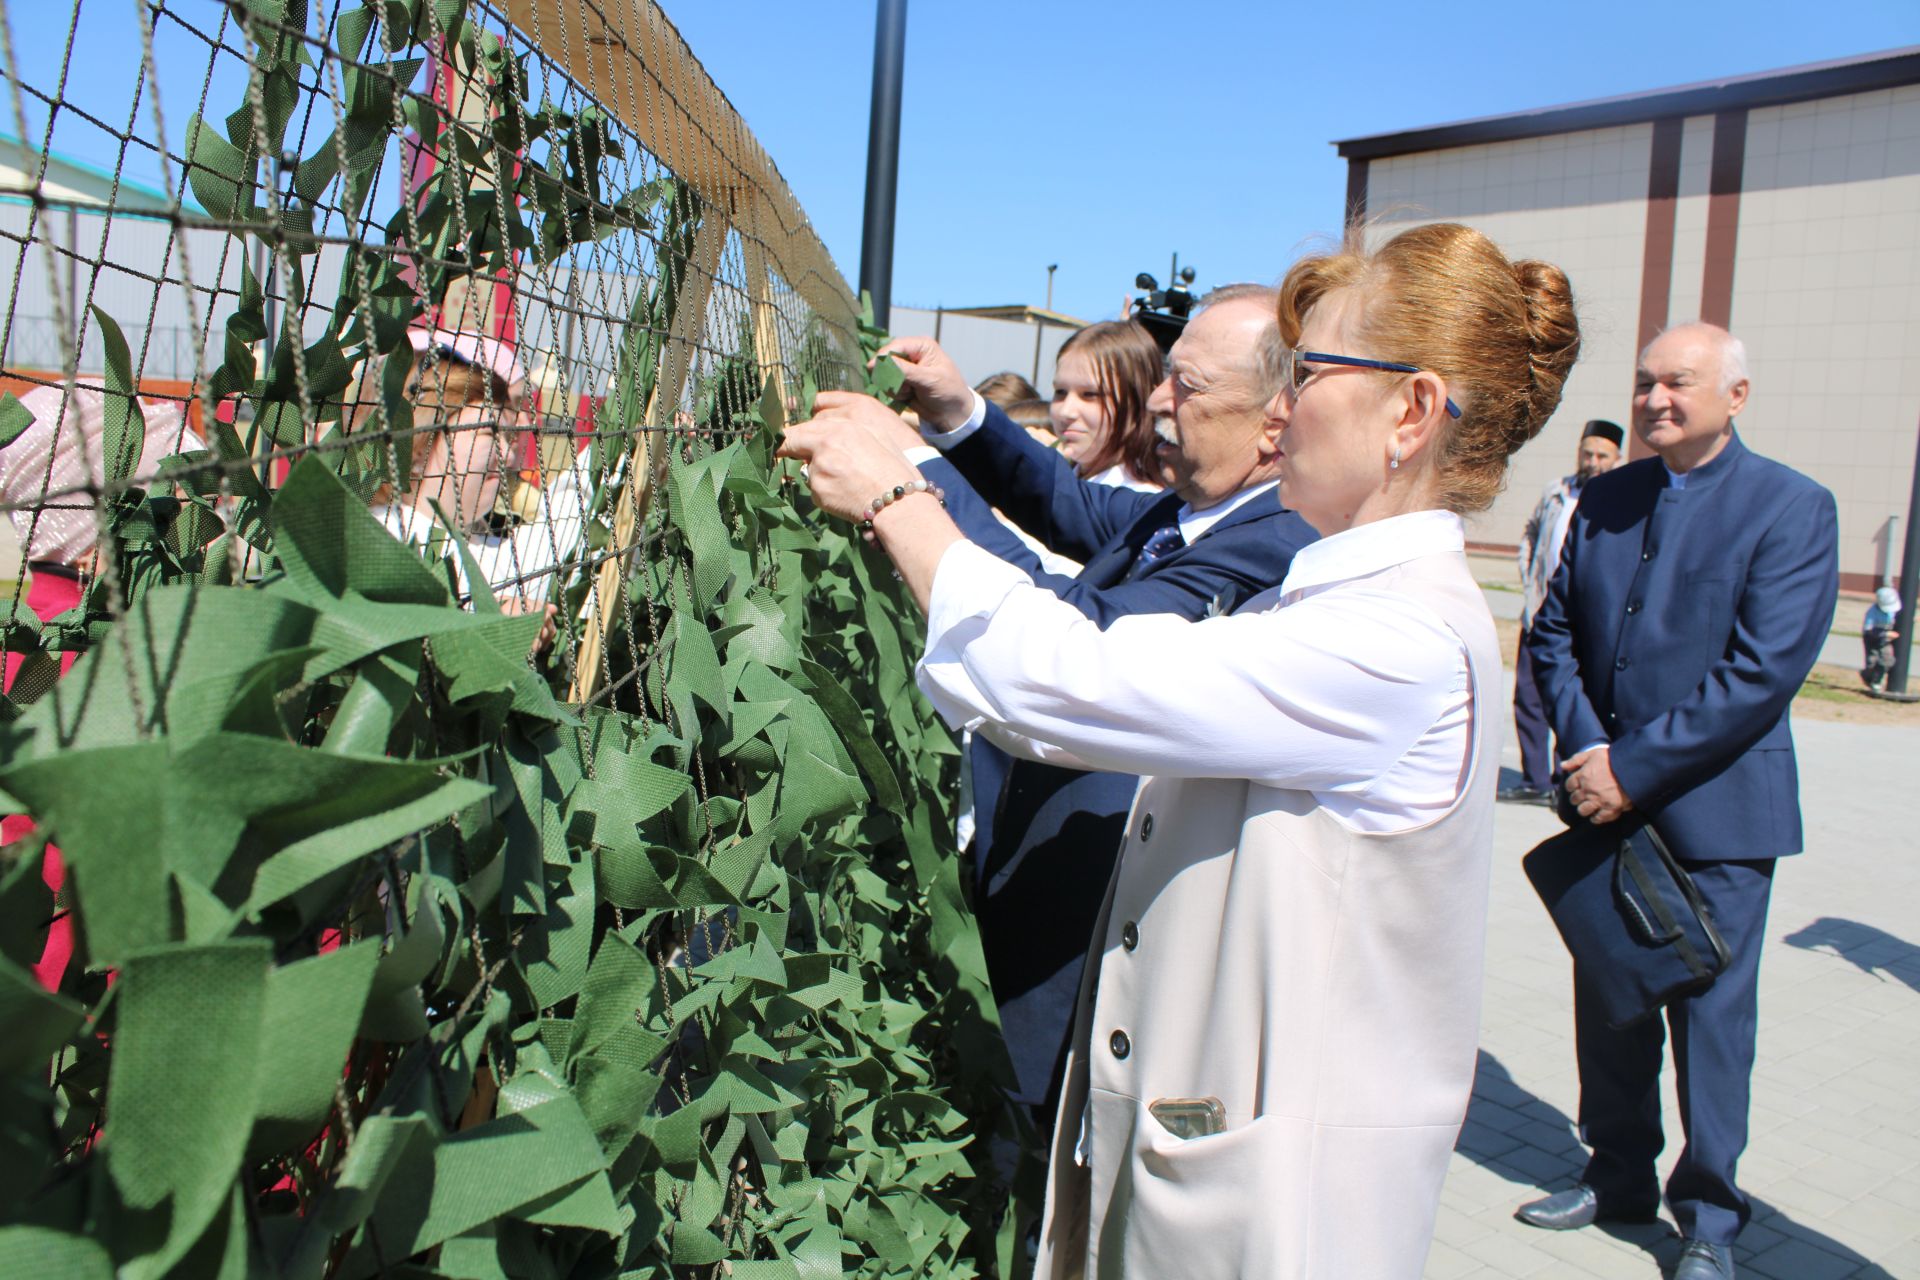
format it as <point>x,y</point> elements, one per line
<point>1877,636</point>
<point>1006,389</point>
<point>1035,417</point>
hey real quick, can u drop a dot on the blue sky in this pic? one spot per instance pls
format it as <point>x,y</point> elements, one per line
<point>1106,136</point>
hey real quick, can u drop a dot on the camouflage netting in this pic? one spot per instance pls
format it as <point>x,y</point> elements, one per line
<point>489,828</point>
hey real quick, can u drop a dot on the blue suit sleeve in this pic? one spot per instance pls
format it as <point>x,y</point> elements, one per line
<point>1780,623</point>
<point>976,519</point>
<point>1189,586</point>
<point>1556,667</point>
<point>1040,491</point>
<point>1234,562</point>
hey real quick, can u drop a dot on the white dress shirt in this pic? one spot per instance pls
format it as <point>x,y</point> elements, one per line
<point>1117,476</point>
<point>1329,683</point>
<point>945,440</point>
<point>1194,523</point>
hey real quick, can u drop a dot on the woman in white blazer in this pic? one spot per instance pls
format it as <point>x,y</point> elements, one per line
<point>1275,1043</point>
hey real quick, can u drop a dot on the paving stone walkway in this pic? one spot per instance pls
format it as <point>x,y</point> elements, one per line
<point>1834,1162</point>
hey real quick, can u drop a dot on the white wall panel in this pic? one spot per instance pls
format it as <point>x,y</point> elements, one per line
<point>1577,200</point>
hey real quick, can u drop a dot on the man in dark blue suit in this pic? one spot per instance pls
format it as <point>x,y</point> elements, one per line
<point>1692,598</point>
<point>1046,837</point>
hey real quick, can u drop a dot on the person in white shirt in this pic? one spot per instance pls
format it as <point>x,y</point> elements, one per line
<point>470,408</point>
<point>1539,556</point>
<point>1276,1043</point>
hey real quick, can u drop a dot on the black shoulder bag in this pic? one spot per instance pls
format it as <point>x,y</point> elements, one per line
<point>1630,915</point>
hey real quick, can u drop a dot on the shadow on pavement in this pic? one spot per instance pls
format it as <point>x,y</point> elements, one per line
<point>1871,950</point>
<point>1489,1137</point>
<point>1804,1253</point>
<point>1541,1153</point>
<point>1530,1142</point>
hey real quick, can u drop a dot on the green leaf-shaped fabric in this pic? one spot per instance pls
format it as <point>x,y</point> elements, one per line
<point>42,1251</point>
<point>331,546</point>
<point>311,1013</point>
<point>187,1043</point>
<point>38,1022</point>
<point>441,1189</point>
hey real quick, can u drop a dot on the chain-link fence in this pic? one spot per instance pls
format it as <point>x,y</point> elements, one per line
<point>572,196</point>
<point>488,828</point>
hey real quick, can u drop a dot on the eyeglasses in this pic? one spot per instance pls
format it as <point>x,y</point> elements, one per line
<point>1298,375</point>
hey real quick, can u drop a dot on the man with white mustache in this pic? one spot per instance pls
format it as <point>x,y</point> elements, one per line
<point>1046,837</point>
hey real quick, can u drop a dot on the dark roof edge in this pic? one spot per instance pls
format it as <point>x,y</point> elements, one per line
<point>1884,70</point>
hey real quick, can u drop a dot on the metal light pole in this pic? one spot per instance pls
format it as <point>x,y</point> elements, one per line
<point>1909,584</point>
<point>1051,268</point>
<point>883,156</point>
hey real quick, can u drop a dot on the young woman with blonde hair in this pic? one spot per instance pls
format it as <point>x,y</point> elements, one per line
<point>1102,377</point>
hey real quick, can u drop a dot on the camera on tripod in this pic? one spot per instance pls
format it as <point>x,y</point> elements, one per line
<point>1163,312</point>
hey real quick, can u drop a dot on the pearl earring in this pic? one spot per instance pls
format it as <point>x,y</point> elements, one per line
<point>1395,464</point>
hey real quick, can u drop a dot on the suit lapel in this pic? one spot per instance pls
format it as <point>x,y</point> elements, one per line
<point>1109,567</point>
<point>1267,504</point>
<point>1117,561</point>
<point>1113,563</point>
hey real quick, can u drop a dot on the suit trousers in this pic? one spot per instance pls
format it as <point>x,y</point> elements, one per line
<point>1530,722</point>
<point>1713,1050</point>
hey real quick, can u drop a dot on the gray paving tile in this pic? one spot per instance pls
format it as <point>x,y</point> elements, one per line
<point>1444,1262</point>
<point>1834,1158</point>
<point>1797,1260</point>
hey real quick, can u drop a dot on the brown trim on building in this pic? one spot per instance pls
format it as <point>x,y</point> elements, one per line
<point>1723,215</point>
<point>1656,261</point>
<point>1356,192</point>
<point>1656,258</point>
<point>1886,70</point>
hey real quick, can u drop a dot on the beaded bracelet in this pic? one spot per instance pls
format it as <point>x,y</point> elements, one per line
<point>894,495</point>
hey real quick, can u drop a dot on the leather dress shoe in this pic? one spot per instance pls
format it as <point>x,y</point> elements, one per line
<point>1579,1206</point>
<point>1523,794</point>
<point>1702,1261</point>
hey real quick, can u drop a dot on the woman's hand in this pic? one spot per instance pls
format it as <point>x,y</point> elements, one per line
<point>853,455</point>
<point>852,451</point>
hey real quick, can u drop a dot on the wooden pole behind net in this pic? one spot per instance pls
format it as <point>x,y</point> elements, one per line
<point>684,327</point>
<point>766,316</point>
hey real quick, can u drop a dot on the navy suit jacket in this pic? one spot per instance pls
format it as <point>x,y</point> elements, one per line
<point>1678,627</point>
<point>1045,837</point>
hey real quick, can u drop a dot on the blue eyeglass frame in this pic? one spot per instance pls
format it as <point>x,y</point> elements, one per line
<point>1358,362</point>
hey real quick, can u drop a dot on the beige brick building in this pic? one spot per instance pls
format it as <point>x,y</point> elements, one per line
<point>1784,205</point>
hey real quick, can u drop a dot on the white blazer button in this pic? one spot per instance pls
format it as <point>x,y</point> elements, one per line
<point>1120,1045</point>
